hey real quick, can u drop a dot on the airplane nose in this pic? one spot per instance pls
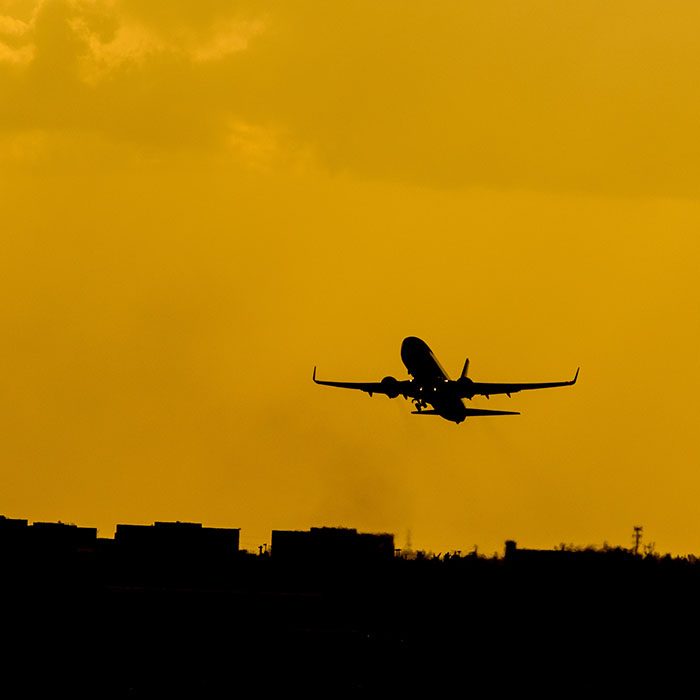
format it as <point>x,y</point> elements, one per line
<point>411,348</point>
<point>412,343</point>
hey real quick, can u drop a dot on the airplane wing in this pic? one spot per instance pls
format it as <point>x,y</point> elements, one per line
<point>487,389</point>
<point>392,388</point>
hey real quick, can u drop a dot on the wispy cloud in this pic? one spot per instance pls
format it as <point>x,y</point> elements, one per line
<point>585,96</point>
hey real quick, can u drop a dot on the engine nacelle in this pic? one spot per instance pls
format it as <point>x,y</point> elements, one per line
<point>390,386</point>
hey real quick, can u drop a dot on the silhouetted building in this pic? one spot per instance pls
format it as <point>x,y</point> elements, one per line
<point>533,556</point>
<point>331,544</point>
<point>11,528</point>
<point>181,539</point>
<point>569,559</point>
<point>13,535</point>
<point>62,536</point>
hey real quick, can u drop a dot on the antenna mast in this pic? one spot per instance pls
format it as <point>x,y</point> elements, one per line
<point>637,537</point>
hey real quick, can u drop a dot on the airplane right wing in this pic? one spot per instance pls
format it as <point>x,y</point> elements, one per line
<point>487,388</point>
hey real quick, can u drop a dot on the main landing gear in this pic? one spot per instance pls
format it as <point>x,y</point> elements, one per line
<point>419,404</point>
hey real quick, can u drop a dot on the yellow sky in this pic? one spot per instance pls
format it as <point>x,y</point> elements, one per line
<point>201,201</point>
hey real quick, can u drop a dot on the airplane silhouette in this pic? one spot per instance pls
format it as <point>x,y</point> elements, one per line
<point>431,386</point>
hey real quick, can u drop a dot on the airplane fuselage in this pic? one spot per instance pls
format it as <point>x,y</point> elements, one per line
<point>431,380</point>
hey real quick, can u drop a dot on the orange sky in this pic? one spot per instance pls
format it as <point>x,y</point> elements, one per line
<point>201,201</point>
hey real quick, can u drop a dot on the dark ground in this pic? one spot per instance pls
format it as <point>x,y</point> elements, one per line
<point>576,623</point>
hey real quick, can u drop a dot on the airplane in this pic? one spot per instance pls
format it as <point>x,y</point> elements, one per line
<point>432,386</point>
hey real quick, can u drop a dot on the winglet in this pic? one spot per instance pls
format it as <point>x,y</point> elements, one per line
<point>573,381</point>
<point>314,377</point>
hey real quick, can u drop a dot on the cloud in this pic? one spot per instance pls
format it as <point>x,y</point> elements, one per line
<point>14,48</point>
<point>597,96</point>
<point>134,41</point>
<point>91,67</point>
<point>104,34</point>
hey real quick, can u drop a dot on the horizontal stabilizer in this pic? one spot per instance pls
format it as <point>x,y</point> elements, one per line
<point>485,412</point>
<point>470,412</point>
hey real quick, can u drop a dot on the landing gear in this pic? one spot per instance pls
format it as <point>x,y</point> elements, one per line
<point>419,404</point>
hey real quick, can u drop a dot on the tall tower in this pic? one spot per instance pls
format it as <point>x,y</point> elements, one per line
<point>637,538</point>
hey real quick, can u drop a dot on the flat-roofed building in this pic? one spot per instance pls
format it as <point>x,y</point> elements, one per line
<point>178,538</point>
<point>62,536</point>
<point>332,544</point>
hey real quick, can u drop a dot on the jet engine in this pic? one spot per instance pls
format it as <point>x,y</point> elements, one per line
<point>390,386</point>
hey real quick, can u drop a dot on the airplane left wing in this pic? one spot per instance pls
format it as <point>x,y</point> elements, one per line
<point>389,386</point>
<point>487,388</point>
